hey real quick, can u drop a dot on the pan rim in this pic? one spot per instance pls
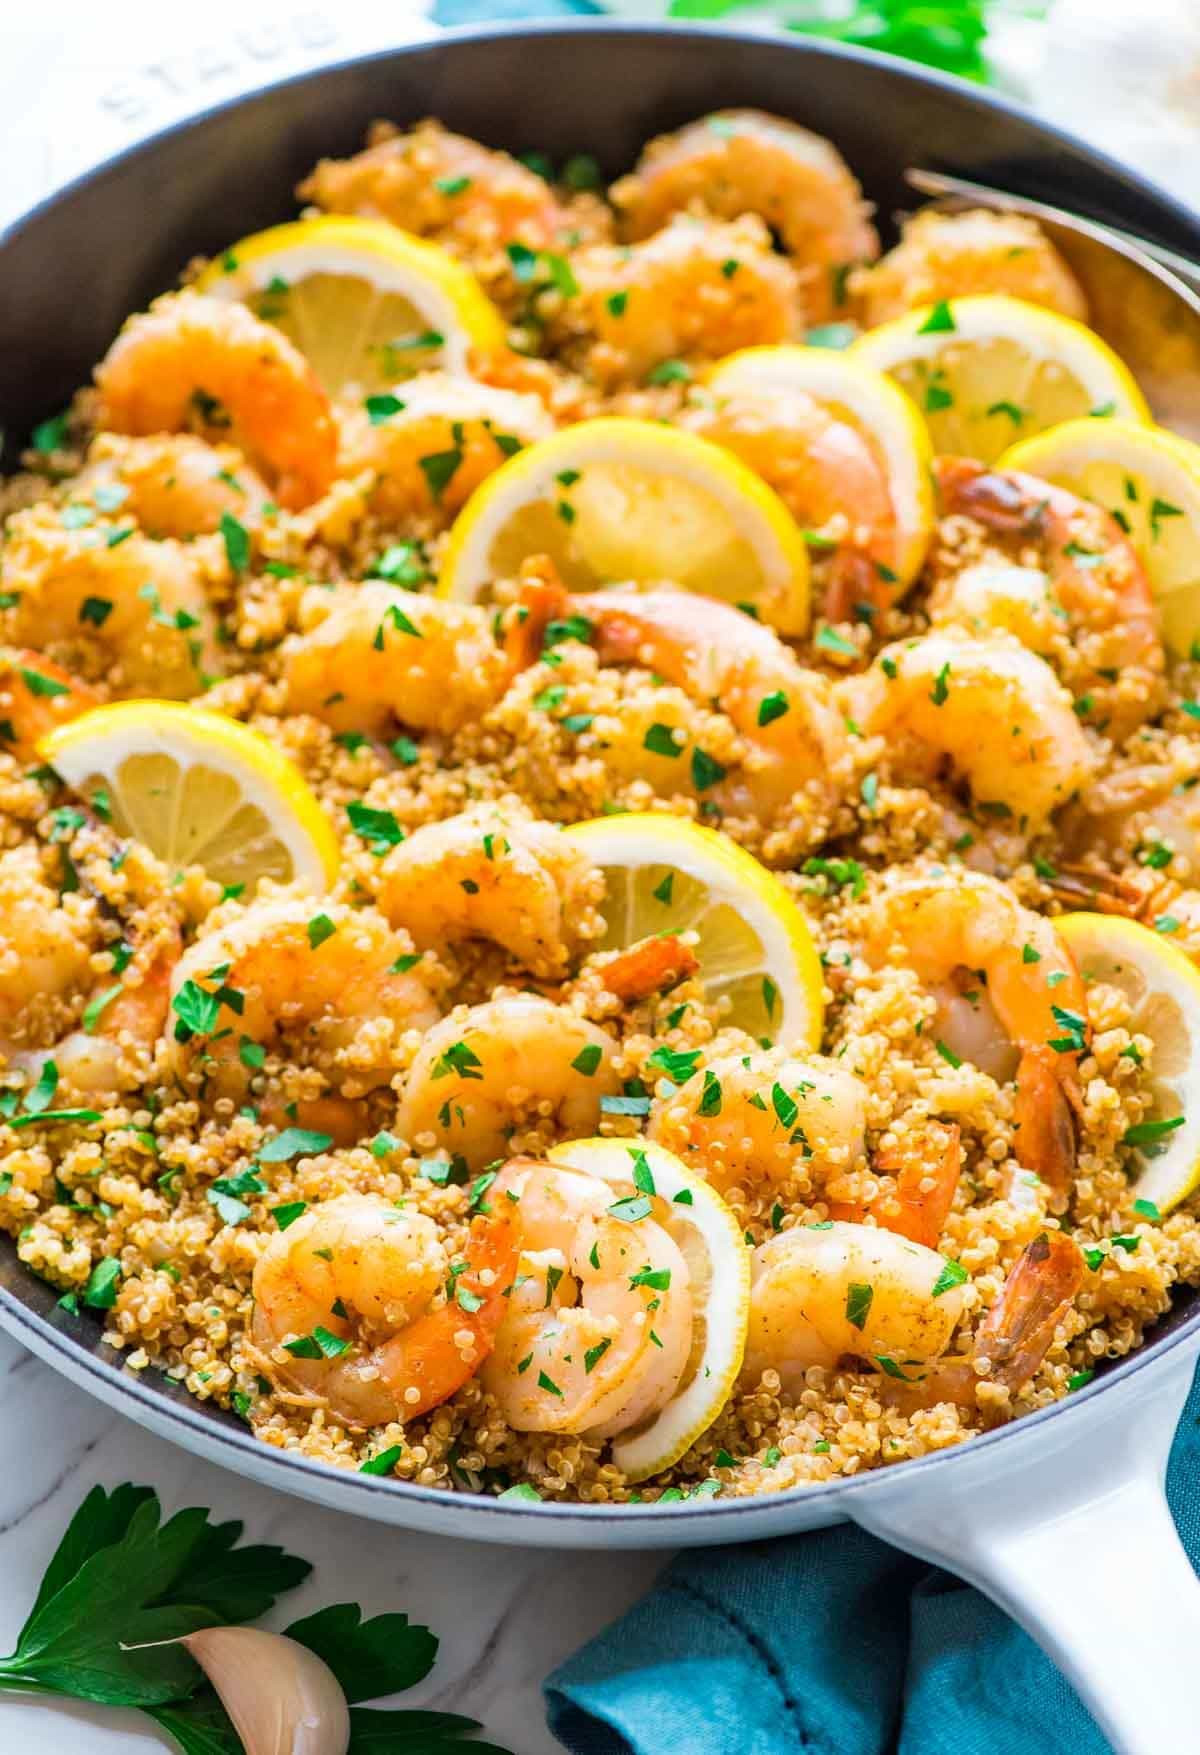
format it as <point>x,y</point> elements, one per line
<point>215,1433</point>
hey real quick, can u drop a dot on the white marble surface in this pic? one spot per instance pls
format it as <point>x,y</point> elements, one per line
<point>504,1616</point>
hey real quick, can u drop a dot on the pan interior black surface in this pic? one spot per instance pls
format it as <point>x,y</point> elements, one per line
<point>73,269</point>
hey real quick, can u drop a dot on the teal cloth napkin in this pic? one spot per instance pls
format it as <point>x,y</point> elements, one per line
<point>830,1644</point>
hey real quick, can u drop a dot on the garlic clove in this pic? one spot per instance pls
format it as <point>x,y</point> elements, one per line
<point>283,1699</point>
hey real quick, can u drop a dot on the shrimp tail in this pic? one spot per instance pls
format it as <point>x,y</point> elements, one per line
<point>1045,1123</point>
<point>998,501</point>
<point>651,966</point>
<point>854,580</point>
<point>1018,1329</point>
<point>542,599</point>
<point>442,1350</point>
<point>925,1185</point>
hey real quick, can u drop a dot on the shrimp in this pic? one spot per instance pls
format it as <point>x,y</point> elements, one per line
<point>82,1000</point>
<point>1094,576</point>
<point>196,362</point>
<point>745,161</point>
<point>466,429</point>
<point>947,256</point>
<point>440,185</point>
<point>1009,995</point>
<point>828,476</point>
<point>113,605</point>
<point>991,596</point>
<point>510,1064</point>
<point>923,1172</point>
<point>764,1117</point>
<point>598,1330</point>
<point>173,485</point>
<point>1134,845</point>
<point>314,981</point>
<point>358,1306</point>
<point>472,424</point>
<point>372,655</point>
<point>1011,1341</point>
<point>720,654</point>
<point>497,874</point>
<point>822,1293</point>
<point>994,711</point>
<point>35,696</point>
<point>675,296</point>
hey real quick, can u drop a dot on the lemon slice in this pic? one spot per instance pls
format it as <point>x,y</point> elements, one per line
<point>1150,481</point>
<point>987,370</point>
<point>663,874</point>
<point>1163,985</point>
<point>366,303</point>
<point>878,410</point>
<point>197,788</point>
<point>710,1240</point>
<point>615,500</point>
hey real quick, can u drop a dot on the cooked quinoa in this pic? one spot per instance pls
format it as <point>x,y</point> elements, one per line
<point>148,1184</point>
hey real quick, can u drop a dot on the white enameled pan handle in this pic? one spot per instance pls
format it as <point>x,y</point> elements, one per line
<point>1067,1528</point>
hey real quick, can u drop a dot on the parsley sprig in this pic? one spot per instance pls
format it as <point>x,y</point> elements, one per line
<point>121,1578</point>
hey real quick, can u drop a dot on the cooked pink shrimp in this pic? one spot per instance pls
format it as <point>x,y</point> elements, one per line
<point>823,1293</point>
<point>512,1063</point>
<point>922,1172</point>
<point>763,1117</point>
<point>1093,574</point>
<point>745,161</point>
<point>991,709</point>
<point>651,965</point>
<point>1010,1343</point>
<point>696,290</point>
<point>471,427</point>
<point>335,1000</point>
<point>413,1325</point>
<point>209,365</point>
<point>440,185</point>
<point>74,994</point>
<point>36,695</point>
<point>720,654</point>
<point>947,256</point>
<point>1010,997</point>
<point>113,605</point>
<point>372,655</point>
<point>495,873</point>
<point>828,477</point>
<point>599,1322</point>
<point>175,485</point>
